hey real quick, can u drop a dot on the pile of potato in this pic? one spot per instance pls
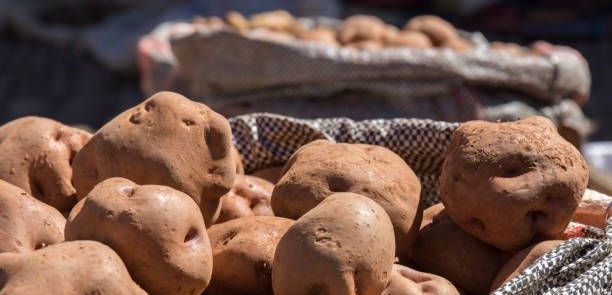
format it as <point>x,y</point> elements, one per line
<point>155,202</point>
<point>359,31</point>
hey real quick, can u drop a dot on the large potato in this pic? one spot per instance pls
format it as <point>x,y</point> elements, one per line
<point>243,250</point>
<point>407,281</point>
<point>158,231</point>
<point>413,39</point>
<point>36,155</point>
<point>166,140</point>
<point>27,223</point>
<point>249,196</point>
<point>438,30</point>
<point>522,260</point>
<point>359,28</point>
<point>342,246</point>
<point>321,168</point>
<point>442,248</point>
<point>271,174</point>
<point>508,183</point>
<point>71,268</point>
<point>237,160</point>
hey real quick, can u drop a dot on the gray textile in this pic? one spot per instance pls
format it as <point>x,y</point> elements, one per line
<point>260,66</point>
<point>578,266</point>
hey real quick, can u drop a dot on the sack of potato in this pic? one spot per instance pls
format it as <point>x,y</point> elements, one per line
<point>156,202</point>
<point>314,67</point>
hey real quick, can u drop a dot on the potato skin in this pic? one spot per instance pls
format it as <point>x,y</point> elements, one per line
<point>522,260</point>
<point>342,246</point>
<point>508,183</point>
<point>27,223</point>
<point>249,196</point>
<point>71,268</point>
<point>442,248</point>
<point>36,155</point>
<point>360,28</point>
<point>157,231</point>
<point>407,281</point>
<point>238,161</point>
<point>437,29</point>
<point>243,250</point>
<point>166,140</point>
<point>412,39</point>
<point>321,168</point>
<point>271,174</point>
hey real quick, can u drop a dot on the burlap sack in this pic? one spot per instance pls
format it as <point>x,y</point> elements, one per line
<point>256,71</point>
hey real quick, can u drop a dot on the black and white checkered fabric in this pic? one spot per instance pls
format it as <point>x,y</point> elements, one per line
<point>266,140</point>
<point>578,266</point>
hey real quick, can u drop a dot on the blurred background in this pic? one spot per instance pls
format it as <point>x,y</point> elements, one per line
<point>79,62</point>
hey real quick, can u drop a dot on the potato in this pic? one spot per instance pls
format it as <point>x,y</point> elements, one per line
<point>432,214</point>
<point>27,223</point>
<point>237,21</point>
<point>593,209</point>
<point>212,22</point>
<point>277,20</point>
<point>457,44</point>
<point>321,168</point>
<point>36,155</point>
<point>342,246</point>
<point>158,231</point>
<point>250,196</point>
<point>359,28</point>
<point>407,281</point>
<point>442,248</point>
<point>71,268</point>
<point>321,35</point>
<point>166,140</point>
<point>243,250</point>
<point>366,45</point>
<point>438,30</point>
<point>522,260</point>
<point>413,39</point>
<point>237,160</point>
<point>508,183</point>
<point>271,174</point>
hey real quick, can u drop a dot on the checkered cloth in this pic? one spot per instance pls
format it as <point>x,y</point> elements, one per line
<point>578,266</point>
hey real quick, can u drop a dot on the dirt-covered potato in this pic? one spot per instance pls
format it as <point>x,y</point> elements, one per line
<point>237,21</point>
<point>243,250</point>
<point>407,281</point>
<point>27,223</point>
<point>277,20</point>
<point>321,35</point>
<point>342,246</point>
<point>321,168</point>
<point>359,28</point>
<point>522,260</point>
<point>366,45</point>
<point>442,248</point>
<point>271,174</point>
<point>432,213</point>
<point>237,160</point>
<point>508,183</point>
<point>157,231</point>
<point>166,140</point>
<point>438,30</point>
<point>413,39</point>
<point>457,44</point>
<point>36,155</point>
<point>71,268</point>
<point>249,196</point>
